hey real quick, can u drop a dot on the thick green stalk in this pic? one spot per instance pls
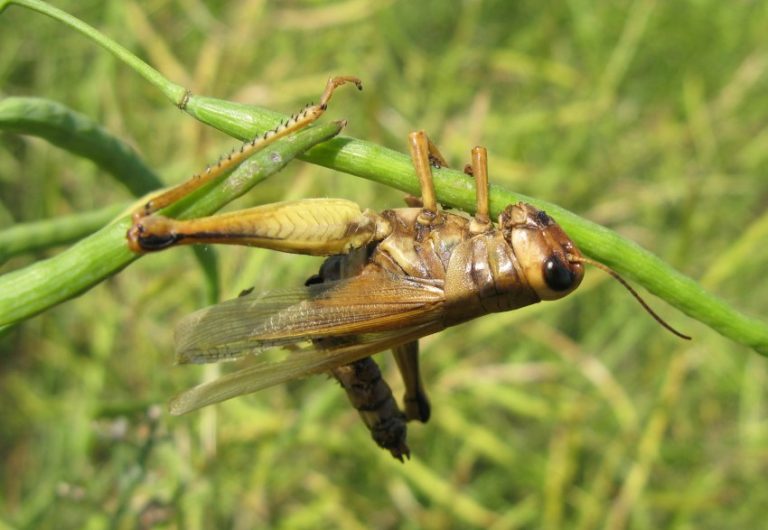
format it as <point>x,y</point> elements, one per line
<point>78,134</point>
<point>39,235</point>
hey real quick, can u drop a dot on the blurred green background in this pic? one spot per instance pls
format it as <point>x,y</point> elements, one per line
<point>646,116</point>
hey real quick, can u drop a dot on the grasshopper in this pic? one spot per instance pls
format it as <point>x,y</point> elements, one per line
<point>389,279</point>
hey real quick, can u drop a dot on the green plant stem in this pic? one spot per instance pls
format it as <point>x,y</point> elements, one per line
<point>40,235</point>
<point>172,91</point>
<point>28,291</point>
<point>78,134</point>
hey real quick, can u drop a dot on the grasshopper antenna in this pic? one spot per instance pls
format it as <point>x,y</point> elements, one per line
<point>629,288</point>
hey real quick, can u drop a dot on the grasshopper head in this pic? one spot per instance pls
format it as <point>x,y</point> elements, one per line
<point>542,248</point>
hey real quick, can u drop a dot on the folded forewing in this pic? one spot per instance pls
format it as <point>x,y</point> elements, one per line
<point>294,364</point>
<point>253,323</point>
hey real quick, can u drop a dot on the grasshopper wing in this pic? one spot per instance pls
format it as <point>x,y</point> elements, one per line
<point>322,326</point>
<point>299,363</point>
<point>257,322</point>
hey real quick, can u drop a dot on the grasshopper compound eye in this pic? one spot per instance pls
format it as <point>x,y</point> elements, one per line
<point>558,274</point>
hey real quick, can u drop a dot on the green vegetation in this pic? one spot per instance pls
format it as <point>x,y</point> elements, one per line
<point>644,117</point>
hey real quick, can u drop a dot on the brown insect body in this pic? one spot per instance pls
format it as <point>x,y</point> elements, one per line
<point>391,279</point>
<point>479,273</point>
<point>498,269</point>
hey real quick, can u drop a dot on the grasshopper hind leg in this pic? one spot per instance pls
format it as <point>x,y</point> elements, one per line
<point>162,234</point>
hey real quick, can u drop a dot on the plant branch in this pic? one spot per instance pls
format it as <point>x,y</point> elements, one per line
<point>40,286</point>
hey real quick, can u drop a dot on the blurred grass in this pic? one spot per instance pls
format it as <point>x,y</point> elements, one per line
<point>644,116</point>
